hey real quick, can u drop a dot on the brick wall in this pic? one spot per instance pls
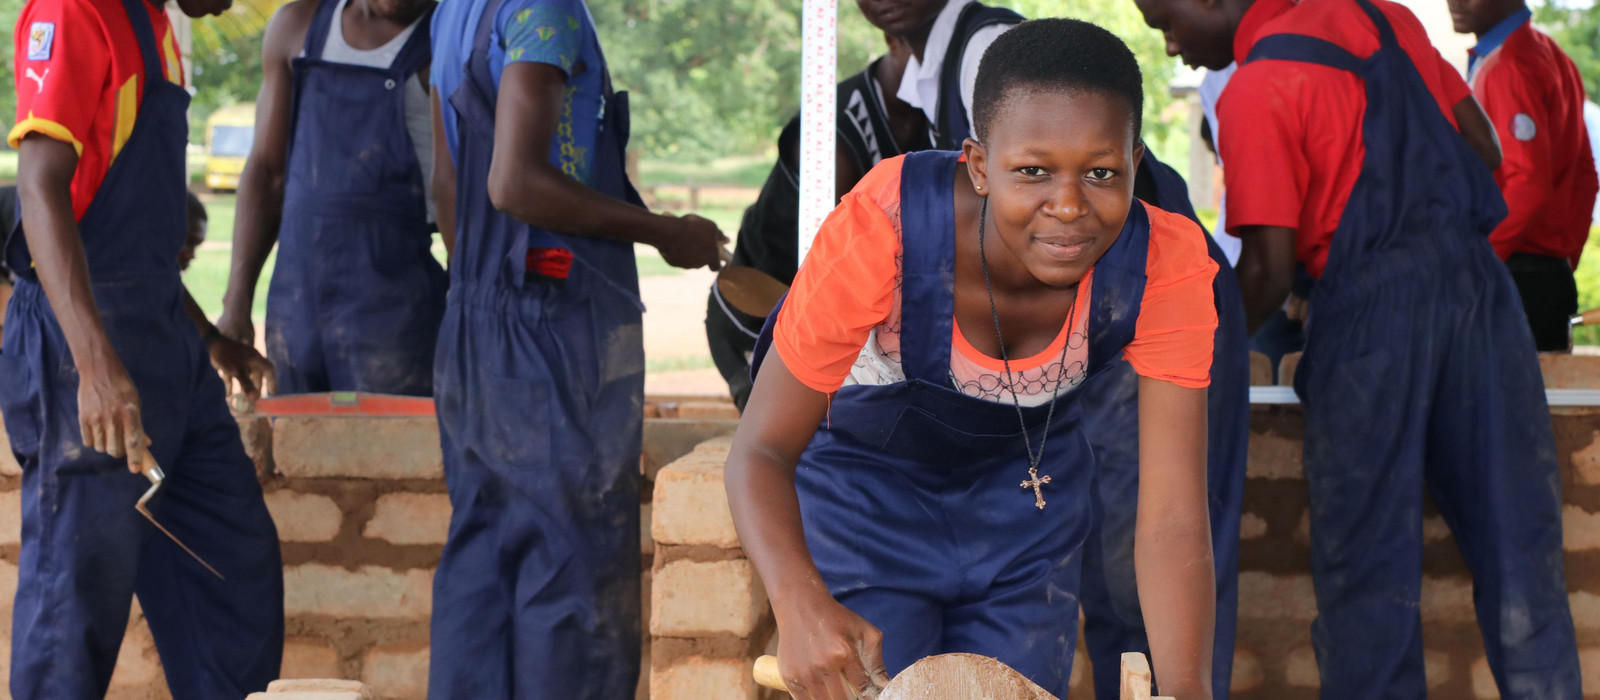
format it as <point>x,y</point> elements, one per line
<point>362,513</point>
<point>709,618</point>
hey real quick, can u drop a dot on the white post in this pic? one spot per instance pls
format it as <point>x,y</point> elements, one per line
<point>819,59</point>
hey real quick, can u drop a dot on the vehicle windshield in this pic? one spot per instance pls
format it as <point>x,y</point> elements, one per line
<point>232,140</point>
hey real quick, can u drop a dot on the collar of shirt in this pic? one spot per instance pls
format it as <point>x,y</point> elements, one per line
<point>1493,38</point>
<point>922,91</point>
<point>1251,24</point>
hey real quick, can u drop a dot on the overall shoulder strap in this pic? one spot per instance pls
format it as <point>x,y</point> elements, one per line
<point>1118,290</point>
<point>928,263</point>
<point>144,31</point>
<point>415,54</point>
<point>321,25</point>
<point>1304,49</point>
<point>953,127</point>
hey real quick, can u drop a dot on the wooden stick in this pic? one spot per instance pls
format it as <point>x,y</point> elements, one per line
<point>766,674</point>
<point>1136,678</point>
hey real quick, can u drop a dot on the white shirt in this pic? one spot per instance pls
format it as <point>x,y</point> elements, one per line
<point>419,111</point>
<point>1211,87</point>
<point>1591,120</point>
<point>920,87</point>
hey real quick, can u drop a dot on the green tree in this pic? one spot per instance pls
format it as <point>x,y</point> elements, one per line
<point>1577,29</point>
<point>719,77</point>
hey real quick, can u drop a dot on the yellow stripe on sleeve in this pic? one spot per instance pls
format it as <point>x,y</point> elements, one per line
<point>43,126</point>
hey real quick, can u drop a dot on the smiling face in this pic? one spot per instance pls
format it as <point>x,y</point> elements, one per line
<point>1058,168</point>
<point>1198,31</point>
<point>901,17</point>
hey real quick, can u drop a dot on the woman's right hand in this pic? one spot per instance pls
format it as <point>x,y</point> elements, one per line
<point>827,652</point>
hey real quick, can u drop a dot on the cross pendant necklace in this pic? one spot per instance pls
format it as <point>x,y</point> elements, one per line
<point>1034,482</point>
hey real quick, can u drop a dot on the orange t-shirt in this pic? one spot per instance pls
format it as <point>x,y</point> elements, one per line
<point>80,77</point>
<point>840,324</point>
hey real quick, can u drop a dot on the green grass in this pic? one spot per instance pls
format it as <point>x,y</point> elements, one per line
<point>738,171</point>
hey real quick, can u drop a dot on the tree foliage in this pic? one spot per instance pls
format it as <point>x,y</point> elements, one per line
<point>719,77</point>
<point>1577,29</point>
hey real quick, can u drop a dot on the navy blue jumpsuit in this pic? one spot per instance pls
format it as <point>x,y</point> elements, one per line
<point>960,560</point>
<point>85,551</point>
<point>1419,371</point>
<point>356,294</point>
<point>539,383</point>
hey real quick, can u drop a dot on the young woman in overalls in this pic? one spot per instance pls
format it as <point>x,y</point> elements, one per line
<point>910,476</point>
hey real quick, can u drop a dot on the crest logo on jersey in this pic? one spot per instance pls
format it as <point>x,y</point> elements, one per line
<point>1523,128</point>
<point>41,37</point>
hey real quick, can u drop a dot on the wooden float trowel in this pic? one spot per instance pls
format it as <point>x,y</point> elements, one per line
<point>970,677</point>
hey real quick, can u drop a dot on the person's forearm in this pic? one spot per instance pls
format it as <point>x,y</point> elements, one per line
<point>1264,293</point>
<point>443,181</point>
<point>1524,199</point>
<point>1172,552</point>
<point>255,231</point>
<point>196,315</point>
<point>545,197</point>
<point>51,231</point>
<point>766,513</point>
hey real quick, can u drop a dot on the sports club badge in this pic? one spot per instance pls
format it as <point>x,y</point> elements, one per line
<point>41,38</point>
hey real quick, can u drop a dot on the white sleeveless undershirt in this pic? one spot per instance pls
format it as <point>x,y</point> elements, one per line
<point>419,112</point>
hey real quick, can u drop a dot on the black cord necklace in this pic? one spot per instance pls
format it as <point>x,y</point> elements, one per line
<point>1034,481</point>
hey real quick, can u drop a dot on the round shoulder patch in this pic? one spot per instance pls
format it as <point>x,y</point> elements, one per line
<point>1523,128</point>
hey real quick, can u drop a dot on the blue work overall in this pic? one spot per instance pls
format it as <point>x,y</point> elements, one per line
<point>356,294</point>
<point>1419,370</point>
<point>910,492</point>
<point>85,550</point>
<point>1112,620</point>
<point>540,391</point>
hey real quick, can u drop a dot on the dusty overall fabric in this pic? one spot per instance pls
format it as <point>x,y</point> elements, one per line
<point>356,294</point>
<point>1419,371</point>
<point>85,551</point>
<point>910,492</point>
<point>540,389</point>
<point>1113,623</point>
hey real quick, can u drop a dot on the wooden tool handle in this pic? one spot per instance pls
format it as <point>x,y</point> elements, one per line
<point>766,674</point>
<point>1587,318</point>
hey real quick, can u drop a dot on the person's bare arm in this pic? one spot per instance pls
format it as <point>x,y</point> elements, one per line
<point>1266,271</point>
<point>1172,540</point>
<point>824,649</point>
<point>1475,127</point>
<point>845,173</point>
<point>108,402</point>
<point>524,184</point>
<point>444,178</point>
<point>239,363</point>
<point>261,183</point>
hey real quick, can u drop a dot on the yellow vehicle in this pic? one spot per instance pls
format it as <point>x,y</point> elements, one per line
<point>229,133</point>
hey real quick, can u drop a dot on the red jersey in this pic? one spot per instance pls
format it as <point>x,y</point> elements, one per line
<point>1534,96</point>
<point>80,77</point>
<point>1291,131</point>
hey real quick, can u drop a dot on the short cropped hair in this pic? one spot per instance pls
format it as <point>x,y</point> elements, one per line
<point>1065,55</point>
<point>197,209</point>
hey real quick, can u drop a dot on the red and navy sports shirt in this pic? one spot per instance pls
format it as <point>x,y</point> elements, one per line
<point>80,77</point>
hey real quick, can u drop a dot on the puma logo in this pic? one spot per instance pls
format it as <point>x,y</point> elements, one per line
<point>37,78</point>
